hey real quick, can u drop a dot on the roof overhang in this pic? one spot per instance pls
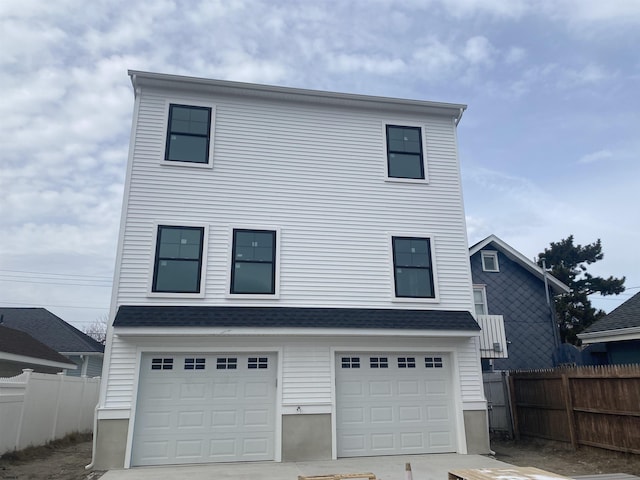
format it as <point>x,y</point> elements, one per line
<point>617,335</point>
<point>163,81</point>
<point>12,357</point>
<point>289,332</point>
<point>557,286</point>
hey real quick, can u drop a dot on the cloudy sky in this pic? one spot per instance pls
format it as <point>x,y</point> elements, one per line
<point>549,145</point>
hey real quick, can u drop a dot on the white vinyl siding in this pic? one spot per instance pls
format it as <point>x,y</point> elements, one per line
<point>306,363</point>
<point>325,192</point>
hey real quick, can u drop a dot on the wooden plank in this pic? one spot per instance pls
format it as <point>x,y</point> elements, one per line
<point>512,473</point>
<point>338,476</point>
<point>571,420</point>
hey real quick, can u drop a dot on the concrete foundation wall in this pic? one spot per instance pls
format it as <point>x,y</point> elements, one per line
<point>476,426</point>
<point>111,442</point>
<point>306,437</point>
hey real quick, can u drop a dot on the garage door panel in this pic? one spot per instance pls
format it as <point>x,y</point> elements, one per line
<point>205,408</point>
<point>393,404</point>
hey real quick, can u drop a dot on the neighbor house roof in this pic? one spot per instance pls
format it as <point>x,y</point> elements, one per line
<point>496,243</point>
<point>17,346</point>
<point>290,317</point>
<point>50,329</point>
<point>623,323</point>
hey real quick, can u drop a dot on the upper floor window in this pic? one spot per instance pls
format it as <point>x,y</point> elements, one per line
<point>253,269</point>
<point>178,259</point>
<point>480,300</point>
<point>413,267</point>
<point>188,134</point>
<point>405,156</point>
<point>489,261</point>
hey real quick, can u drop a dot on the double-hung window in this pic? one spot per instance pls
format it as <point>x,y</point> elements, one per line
<point>480,299</point>
<point>188,134</point>
<point>413,267</point>
<point>253,268</point>
<point>178,259</point>
<point>405,155</point>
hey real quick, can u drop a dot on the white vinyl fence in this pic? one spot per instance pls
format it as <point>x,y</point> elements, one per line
<point>38,407</point>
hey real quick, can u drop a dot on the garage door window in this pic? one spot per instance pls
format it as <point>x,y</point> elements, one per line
<point>257,362</point>
<point>379,362</point>
<point>350,362</point>
<point>162,364</point>
<point>433,362</point>
<point>406,362</point>
<point>194,363</point>
<point>226,363</point>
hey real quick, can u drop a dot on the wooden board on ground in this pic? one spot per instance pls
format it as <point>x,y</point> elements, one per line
<point>511,473</point>
<point>338,476</point>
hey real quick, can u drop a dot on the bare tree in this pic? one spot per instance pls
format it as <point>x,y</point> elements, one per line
<point>98,329</point>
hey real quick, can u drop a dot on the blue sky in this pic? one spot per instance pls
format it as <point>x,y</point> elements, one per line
<point>549,145</point>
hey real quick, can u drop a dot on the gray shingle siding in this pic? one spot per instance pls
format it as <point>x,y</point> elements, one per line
<point>519,297</point>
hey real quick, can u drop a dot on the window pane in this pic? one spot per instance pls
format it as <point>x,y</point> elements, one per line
<point>253,278</point>
<point>180,243</point>
<point>192,120</point>
<point>414,282</point>
<point>412,252</point>
<point>184,148</point>
<point>254,246</point>
<point>404,165</point>
<point>177,276</point>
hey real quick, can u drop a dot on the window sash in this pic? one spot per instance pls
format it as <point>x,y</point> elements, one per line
<point>188,137</point>
<point>405,156</point>
<point>253,268</point>
<point>413,269</point>
<point>182,259</point>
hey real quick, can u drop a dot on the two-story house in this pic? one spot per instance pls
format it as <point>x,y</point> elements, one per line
<point>292,280</point>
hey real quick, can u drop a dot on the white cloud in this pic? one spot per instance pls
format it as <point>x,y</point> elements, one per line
<point>515,55</point>
<point>478,51</point>
<point>598,156</point>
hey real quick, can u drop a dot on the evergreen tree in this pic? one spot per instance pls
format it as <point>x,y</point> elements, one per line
<point>568,263</point>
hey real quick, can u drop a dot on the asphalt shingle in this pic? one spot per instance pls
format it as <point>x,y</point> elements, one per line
<point>627,315</point>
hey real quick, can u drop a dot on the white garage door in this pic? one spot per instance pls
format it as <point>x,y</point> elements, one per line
<point>197,408</point>
<point>390,404</point>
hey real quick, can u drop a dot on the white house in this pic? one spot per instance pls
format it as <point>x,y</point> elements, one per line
<point>292,280</point>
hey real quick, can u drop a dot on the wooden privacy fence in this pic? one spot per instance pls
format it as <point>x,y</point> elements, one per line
<point>38,407</point>
<point>596,406</point>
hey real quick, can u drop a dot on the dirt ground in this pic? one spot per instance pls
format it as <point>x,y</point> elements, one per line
<point>559,458</point>
<point>66,460</point>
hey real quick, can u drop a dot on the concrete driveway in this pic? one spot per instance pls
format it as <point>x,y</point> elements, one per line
<point>424,467</point>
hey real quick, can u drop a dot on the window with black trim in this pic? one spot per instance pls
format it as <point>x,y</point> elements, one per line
<point>194,363</point>
<point>188,134</point>
<point>406,362</point>
<point>178,261</point>
<point>433,362</point>
<point>412,265</point>
<point>254,262</point>
<point>162,364</point>
<point>223,363</point>
<point>405,158</point>
<point>350,362</point>
<point>378,362</point>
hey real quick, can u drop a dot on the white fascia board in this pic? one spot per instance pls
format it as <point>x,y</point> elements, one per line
<point>86,354</point>
<point>295,332</point>
<point>618,335</point>
<point>516,256</point>
<point>161,80</point>
<point>12,357</point>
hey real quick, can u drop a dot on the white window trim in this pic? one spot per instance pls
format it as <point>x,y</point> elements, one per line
<point>253,296</point>
<point>152,260</point>
<point>191,103</point>
<point>483,290</point>
<point>489,254</point>
<point>423,138</point>
<point>434,270</point>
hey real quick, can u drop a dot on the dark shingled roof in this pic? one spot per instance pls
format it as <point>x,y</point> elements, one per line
<point>293,317</point>
<point>627,315</point>
<point>20,343</point>
<point>49,329</point>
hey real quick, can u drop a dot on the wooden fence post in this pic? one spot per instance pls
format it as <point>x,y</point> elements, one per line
<point>514,406</point>
<point>568,403</point>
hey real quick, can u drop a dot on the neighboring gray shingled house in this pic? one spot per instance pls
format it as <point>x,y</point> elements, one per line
<point>57,334</point>
<point>618,333</point>
<point>509,285</point>
<point>19,350</point>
